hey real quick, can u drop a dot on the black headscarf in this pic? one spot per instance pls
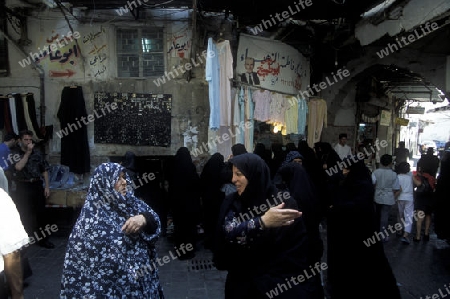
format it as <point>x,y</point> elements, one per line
<point>184,186</point>
<point>238,149</point>
<point>210,177</point>
<point>255,169</point>
<point>277,253</point>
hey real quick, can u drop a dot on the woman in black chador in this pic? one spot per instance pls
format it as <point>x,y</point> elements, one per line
<point>184,189</point>
<point>441,219</point>
<point>212,196</point>
<point>265,251</point>
<point>357,265</point>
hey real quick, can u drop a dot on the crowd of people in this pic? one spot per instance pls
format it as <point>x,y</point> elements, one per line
<point>260,211</point>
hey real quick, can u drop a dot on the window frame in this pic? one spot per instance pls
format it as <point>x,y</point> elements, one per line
<point>141,52</point>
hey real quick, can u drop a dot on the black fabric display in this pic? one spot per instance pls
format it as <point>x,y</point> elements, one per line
<point>32,113</point>
<point>74,143</point>
<point>2,115</point>
<point>20,113</point>
<point>7,115</point>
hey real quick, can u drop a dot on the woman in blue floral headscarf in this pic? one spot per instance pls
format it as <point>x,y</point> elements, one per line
<point>111,250</point>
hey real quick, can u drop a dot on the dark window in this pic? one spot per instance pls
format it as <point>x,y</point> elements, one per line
<point>140,52</point>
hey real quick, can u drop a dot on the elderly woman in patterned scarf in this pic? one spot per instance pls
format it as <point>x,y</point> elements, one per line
<point>111,250</point>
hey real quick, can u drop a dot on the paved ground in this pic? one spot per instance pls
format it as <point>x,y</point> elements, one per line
<point>421,268</point>
<point>195,279</point>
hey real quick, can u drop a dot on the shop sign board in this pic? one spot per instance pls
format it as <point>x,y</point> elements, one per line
<point>415,110</point>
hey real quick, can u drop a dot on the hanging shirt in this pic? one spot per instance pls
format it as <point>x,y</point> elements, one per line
<point>302,115</point>
<point>249,116</point>
<point>277,109</point>
<point>226,73</point>
<point>262,101</point>
<point>239,117</point>
<point>213,78</point>
<point>317,120</point>
<point>291,116</point>
<point>12,109</point>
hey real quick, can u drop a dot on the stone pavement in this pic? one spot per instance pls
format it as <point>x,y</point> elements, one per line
<point>422,269</point>
<point>194,279</point>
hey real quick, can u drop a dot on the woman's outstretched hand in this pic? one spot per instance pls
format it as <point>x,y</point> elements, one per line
<point>134,224</point>
<point>277,216</point>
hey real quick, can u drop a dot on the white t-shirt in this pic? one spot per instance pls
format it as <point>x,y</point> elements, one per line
<point>343,151</point>
<point>12,233</point>
<point>406,182</point>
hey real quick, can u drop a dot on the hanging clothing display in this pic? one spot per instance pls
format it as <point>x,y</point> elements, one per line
<point>262,99</point>
<point>7,116</point>
<point>278,109</point>
<point>12,110</point>
<point>302,115</point>
<point>239,116</point>
<point>74,143</point>
<point>291,116</point>
<point>32,114</point>
<point>317,120</point>
<point>226,74</point>
<point>20,113</point>
<point>28,119</point>
<point>212,75</point>
<point>249,109</point>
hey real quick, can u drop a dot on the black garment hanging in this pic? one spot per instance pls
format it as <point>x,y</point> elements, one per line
<point>73,134</point>
<point>32,114</point>
<point>20,113</point>
<point>2,112</point>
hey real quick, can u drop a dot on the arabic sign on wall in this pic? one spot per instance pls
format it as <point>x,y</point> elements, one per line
<point>271,64</point>
<point>60,54</point>
<point>95,49</point>
<point>179,43</point>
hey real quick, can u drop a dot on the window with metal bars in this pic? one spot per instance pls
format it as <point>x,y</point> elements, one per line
<point>140,52</point>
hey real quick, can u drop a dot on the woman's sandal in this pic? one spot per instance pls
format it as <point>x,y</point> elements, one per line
<point>426,237</point>
<point>416,240</point>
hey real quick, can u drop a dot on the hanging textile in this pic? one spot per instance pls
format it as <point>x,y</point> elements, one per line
<point>262,100</point>
<point>302,115</point>
<point>12,110</point>
<point>212,75</point>
<point>2,114</point>
<point>278,109</point>
<point>28,119</point>
<point>317,120</point>
<point>32,114</point>
<point>74,141</point>
<point>226,74</point>
<point>7,116</point>
<point>249,108</point>
<point>291,116</point>
<point>20,113</point>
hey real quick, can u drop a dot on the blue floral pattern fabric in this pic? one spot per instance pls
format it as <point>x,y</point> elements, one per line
<point>101,261</point>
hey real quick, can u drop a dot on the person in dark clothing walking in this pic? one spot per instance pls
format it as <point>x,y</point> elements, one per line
<point>301,188</point>
<point>357,267</point>
<point>424,201</point>
<point>184,190</point>
<point>441,219</point>
<point>30,174</point>
<point>212,196</point>
<point>261,239</point>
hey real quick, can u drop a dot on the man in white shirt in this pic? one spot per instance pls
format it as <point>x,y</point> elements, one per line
<point>341,148</point>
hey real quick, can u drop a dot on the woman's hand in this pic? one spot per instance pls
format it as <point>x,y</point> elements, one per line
<point>277,216</point>
<point>134,224</point>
